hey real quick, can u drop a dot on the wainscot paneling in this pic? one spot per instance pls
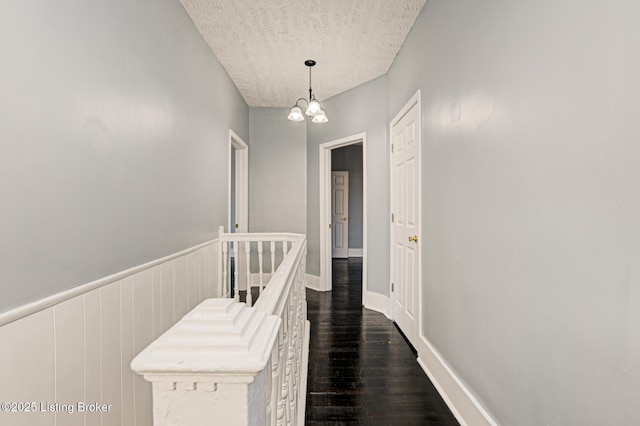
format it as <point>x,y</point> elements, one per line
<point>67,362</point>
<point>27,368</point>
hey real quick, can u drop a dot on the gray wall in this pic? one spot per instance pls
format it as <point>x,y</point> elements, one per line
<point>349,159</point>
<point>531,202</point>
<point>277,172</point>
<point>115,120</point>
<point>362,109</point>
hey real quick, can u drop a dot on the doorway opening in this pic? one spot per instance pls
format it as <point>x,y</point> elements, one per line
<point>327,222</point>
<point>238,213</point>
<point>346,201</point>
<point>238,184</point>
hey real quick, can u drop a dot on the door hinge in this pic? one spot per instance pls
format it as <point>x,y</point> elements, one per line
<point>391,148</point>
<point>392,217</point>
<point>393,287</point>
<point>236,226</point>
<point>329,226</point>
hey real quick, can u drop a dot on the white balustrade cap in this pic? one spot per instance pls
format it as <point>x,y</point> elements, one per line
<point>219,336</point>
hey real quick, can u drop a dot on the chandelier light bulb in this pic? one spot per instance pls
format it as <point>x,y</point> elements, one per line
<point>313,108</point>
<point>296,114</point>
<point>320,117</point>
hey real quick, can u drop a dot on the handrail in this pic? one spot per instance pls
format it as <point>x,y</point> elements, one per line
<point>260,236</point>
<point>217,345</point>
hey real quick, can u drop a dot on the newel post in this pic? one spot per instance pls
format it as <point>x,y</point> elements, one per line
<point>212,367</point>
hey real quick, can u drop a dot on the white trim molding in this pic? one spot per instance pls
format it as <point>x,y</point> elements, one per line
<point>464,406</point>
<point>325,208</point>
<point>242,183</point>
<point>377,302</point>
<point>49,301</point>
<point>313,282</point>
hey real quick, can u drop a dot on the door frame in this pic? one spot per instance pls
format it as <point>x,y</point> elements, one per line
<point>325,208</point>
<point>415,100</point>
<point>242,183</point>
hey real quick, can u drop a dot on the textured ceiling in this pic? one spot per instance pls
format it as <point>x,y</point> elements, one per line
<point>263,43</point>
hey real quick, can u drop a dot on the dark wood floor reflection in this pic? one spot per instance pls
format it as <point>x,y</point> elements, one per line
<point>361,370</point>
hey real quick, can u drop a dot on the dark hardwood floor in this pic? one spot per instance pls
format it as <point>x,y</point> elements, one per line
<point>361,369</point>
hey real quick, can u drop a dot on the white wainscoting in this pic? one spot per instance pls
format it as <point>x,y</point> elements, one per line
<point>76,346</point>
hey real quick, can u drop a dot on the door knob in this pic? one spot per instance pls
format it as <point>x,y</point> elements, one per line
<point>344,218</point>
<point>413,238</point>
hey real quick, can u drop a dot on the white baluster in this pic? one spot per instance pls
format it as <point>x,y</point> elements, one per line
<point>292,361</point>
<point>281,376</point>
<point>247,251</point>
<point>260,272</point>
<point>267,390</point>
<point>219,278</point>
<point>285,380</point>
<point>236,266</point>
<point>273,258</point>
<point>300,312</point>
<point>288,389</point>
<point>296,340</point>
<point>291,401</point>
<point>275,383</point>
<point>285,247</point>
<point>225,261</point>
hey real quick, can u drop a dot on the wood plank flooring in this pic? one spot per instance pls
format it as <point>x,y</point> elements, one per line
<point>361,369</point>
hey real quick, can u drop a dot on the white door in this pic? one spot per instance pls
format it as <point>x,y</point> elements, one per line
<point>405,204</point>
<point>340,214</point>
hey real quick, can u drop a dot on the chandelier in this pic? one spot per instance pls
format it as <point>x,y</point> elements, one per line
<point>314,110</point>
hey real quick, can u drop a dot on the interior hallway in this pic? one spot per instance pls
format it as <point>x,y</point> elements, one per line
<point>361,369</point>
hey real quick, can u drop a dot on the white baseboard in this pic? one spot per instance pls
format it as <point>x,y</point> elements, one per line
<point>458,398</point>
<point>356,252</point>
<point>313,282</point>
<point>377,302</point>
